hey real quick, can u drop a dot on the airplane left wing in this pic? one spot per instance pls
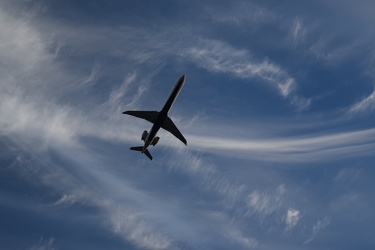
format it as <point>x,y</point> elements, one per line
<point>146,115</point>
<point>170,127</point>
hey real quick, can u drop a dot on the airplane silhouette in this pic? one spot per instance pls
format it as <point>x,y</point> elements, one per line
<point>160,120</point>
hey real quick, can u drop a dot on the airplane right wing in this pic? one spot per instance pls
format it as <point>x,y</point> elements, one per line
<point>146,115</point>
<point>170,127</point>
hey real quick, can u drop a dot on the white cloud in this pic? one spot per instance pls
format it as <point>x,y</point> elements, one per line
<point>128,213</point>
<point>319,225</point>
<point>21,46</point>
<point>261,203</point>
<point>248,242</point>
<point>241,13</point>
<point>324,49</point>
<point>348,175</point>
<point>33,83</point>
<point>298,31</point>
<point>120,100</point>
<point>133,226</point>
<point>118,93</point>
<point>365,105</point>
<point>94,75</point>
<point>306,148</point>
<point>217,56</point>
<point>292,218</point>
<point>45,244</point>
<point>264,203</point>
<point>301,102</point>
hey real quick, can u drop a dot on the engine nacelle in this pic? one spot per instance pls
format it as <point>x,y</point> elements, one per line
<point>144,135</point>
<point>155,140</point>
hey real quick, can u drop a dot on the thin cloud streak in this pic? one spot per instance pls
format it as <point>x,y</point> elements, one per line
<point>264,204</point>
<point>93,77</point>
<point>365,105</point>
<point>312,148</point>
<point>241,13</point>
<point>298,31</point>
<point>319,225</point>
<point>45,244</point>
<point>216,56</point>
<point>248,242</point>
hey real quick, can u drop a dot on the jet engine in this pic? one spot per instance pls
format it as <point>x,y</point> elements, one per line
<point>155,140</point>
<point>144,135</point>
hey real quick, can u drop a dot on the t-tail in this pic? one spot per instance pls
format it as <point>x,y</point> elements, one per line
<point>140,149</point>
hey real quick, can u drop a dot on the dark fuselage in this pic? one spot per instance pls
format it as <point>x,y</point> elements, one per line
<point>163,114</point>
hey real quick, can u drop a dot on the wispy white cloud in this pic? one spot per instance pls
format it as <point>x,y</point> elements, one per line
<point>133,226</point>
<point>264,203</point>
<point>152,48</point>
<point>220,57</point>
<point>31,92</point>
<point>68,200</point>
<point>45,244</point>
<point>119,99</point>
<point>127,212</point>
<point>240,13</point>
<point>19,40</point>
<point>353,205</point>
<point>217,56</point>
<point>324,49</point>
<point>367,104</point>
<point>292,218</point>
<point>298,31</point>
<point>348,175</point>
<point>306,148</point>
<point>118,93</point>
<point>301,103</point>
<point>248,242</point>
<point>319,225</point>
<point>136,225</point>
<point>94,75</point>
<point>32,83</point>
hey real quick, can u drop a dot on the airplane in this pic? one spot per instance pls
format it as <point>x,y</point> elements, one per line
<point>160,120</point>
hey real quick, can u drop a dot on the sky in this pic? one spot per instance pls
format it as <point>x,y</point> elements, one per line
<point>277,109</point>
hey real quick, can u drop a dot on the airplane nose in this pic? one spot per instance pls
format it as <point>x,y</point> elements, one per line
<point>182,78</point>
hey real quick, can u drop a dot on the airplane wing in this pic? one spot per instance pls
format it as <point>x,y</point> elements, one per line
<point>146,115</point>
<point>170,127</point>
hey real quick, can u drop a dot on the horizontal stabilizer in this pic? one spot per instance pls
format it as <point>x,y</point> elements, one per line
<point>137,148</point>
<point>140,149</point>
<point>146,115</point>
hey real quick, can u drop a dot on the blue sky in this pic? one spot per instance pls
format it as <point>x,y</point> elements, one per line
<point>278,111</point>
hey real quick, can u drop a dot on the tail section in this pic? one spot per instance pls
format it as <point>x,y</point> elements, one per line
<point>140,149</point>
